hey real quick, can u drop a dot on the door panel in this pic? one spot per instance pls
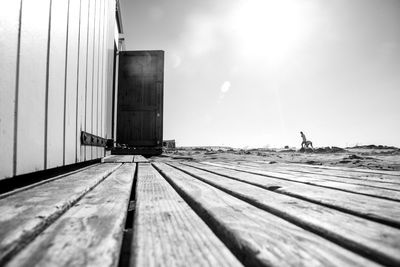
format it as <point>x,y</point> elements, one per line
<point>140,98</point>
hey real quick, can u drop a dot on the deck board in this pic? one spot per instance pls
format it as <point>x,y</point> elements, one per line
<point>262,238</point>
<point>359,187</point>
<point>27,213</point>
<point>381,210</point>
<point>373,239</point>
<point>117,159</point>
<point>140,159</point>
<point>167,232</point>
<point>210,213</point>
<point>388,180</point>
<point>346,169</point>
<point>90,231</point>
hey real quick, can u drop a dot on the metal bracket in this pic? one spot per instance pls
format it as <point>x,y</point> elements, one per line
<point>88,139</point>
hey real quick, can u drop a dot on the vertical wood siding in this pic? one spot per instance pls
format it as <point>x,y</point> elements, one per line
<point>30,145</point>
<point>82,78</point>
<point>89,75</point>
<point>9,50</point>
<point>56,69</point>
<point>71,82</point>
<point>109,43</point>
<point>56,86</point>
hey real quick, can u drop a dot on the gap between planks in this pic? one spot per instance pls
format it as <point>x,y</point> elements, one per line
<point>124,159</point>
<point>367,188</point>
<point>371,239</point>
<point>383,179</point>
<point>167,232</point>
<point>90,232</point>
<point>362,188</point>
<point>28,213</point>
<point>256,236</point>
<point>377,209</point>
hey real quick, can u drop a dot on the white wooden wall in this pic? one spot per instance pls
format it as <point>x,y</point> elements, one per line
<point>56,69</point>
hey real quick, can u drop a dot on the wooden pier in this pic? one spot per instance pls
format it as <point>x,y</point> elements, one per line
<point>128,210</point>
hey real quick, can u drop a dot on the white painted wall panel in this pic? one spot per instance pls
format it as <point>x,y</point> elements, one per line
<point>95,76</point>
<point>89,75</point>
<point>109,97</point>
<point>110,66</point>
<point>9,25</point>
<point>104,72</point>
<point>32,86</point>
<point>71,82</point>
<point>56,74</point>
<point>56,85</point>
<point>100,76</point>
<point>114,82</point>
<point>83,42</point>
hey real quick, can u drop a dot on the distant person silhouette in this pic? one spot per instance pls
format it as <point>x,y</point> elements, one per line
<point>305,142</point>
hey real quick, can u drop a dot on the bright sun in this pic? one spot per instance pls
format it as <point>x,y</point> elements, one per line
<point>270,28</point>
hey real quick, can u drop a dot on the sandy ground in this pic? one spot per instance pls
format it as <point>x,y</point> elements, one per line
<point>368,157</point>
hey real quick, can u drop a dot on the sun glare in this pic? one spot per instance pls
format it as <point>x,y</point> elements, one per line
<point>271,28</point>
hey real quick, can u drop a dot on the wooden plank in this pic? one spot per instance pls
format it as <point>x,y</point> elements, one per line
<point>9,24</point>
<point>32,86</point>
<point>379,178</point>
<point>397,173</point>
<point>20,189</point>
<point>166,230</point>
<point>346,180</point>
<point>83,55</point>
<point>337,173</point>
<point>382,210</point>
<point>56,86</point>
<point>26,214</point>
<point>259,238</point>
<point>71,82</point>
<point>90,232</point>
<point>140,158</point>
<point>360,187</point>
<point>378,241</point>
<point>117,158</point>
<point>89,76</point>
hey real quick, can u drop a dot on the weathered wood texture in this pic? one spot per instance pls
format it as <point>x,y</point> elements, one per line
<point>140,158</point>
<point>375,179</point>
<point>370,188</point>
<point>27,213</point>
<point>89,233</point>
<point>166,230</point>
<point>258,237</point>
<point>24,188</point>
<point>118,158</point>
<point>381,210</point>
<point>375,240</point>
<point>52,84</point>
<point>345,169</point>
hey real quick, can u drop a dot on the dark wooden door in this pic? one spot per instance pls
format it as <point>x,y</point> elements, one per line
<point>140,98</point>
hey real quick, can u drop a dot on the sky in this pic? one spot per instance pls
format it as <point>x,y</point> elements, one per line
<point>254,73</point>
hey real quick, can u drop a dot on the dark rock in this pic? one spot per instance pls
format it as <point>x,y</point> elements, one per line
<point>312,162</point>
<point>354,157</point>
